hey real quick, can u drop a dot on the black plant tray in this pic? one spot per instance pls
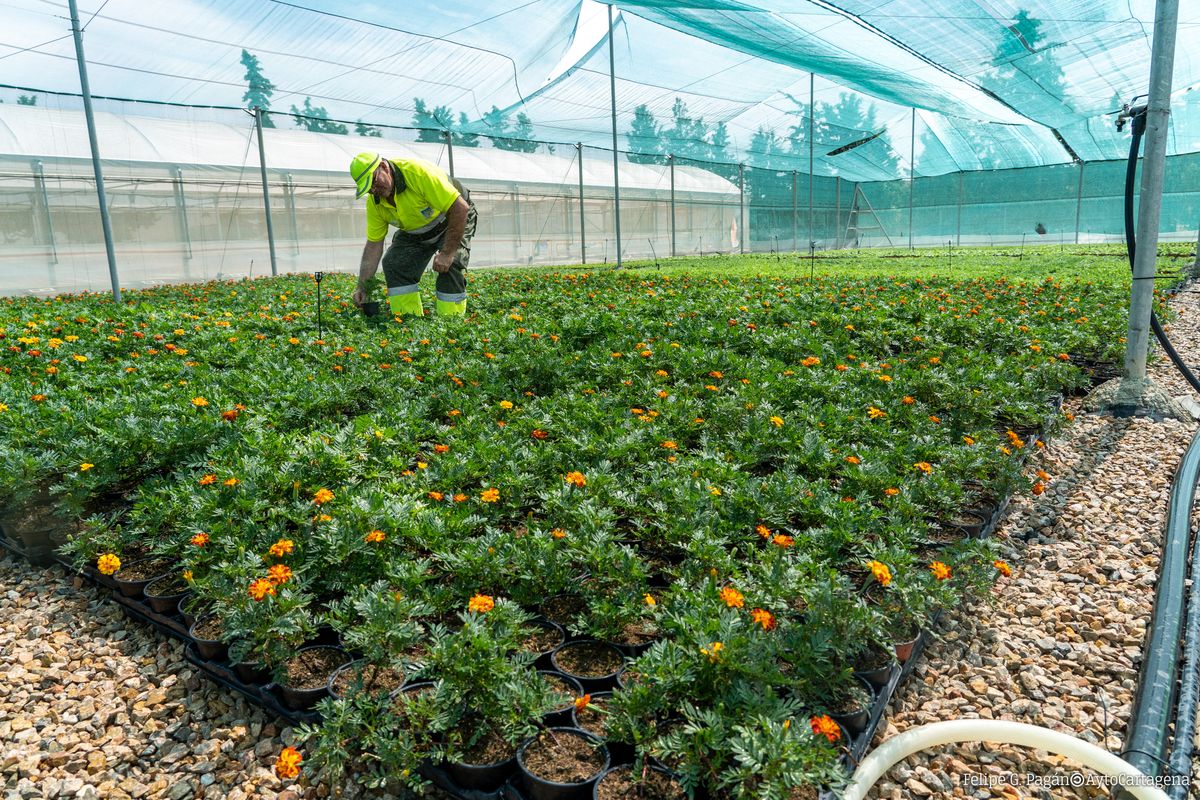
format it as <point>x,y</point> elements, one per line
<point>172,625</point>
<point>263,695</point>
<point>13,546</point>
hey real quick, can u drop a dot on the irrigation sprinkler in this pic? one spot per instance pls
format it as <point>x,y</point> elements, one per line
<point>317,276</point>
<point>654,253</point>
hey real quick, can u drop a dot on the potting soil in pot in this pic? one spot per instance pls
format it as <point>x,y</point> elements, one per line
<point>143,570</point>
<point>619,784</point>
<point>490,749</point>
<point>589,660</point>
<point>311,669</point>
<point>563,758</point>
<point>542,640</point>
<point>209,629</point>
<point>591,719</point>
<point>374,680</point>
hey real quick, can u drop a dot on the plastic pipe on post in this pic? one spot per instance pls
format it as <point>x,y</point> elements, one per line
<point>912,175</point>
<point>1158,110</point>
<point>105,222</point>
<point>958,236</point>
<point>742,208</point>
<point>582,234</point>
<point>185,232</point>
<point>289,195</point>
<point>1079,202</point>
<point>897,748</point>
<point>262,165</point>
<point>1180,762</point>
<point>449,151</point>
<point>612,91</point>
<point>39,178</point>
<point>671,164</point>
<point>795,214</point>
<point>812,112</point>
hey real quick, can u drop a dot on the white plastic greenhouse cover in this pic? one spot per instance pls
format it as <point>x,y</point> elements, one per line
<point>32,132</point>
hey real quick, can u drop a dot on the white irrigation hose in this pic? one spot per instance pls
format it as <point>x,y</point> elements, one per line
<point>894,750</point>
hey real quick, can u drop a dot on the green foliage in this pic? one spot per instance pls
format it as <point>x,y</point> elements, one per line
<point>316,119</point>
<point>258,88</point>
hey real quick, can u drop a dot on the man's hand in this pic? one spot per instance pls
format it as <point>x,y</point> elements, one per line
<point>359,296</point>
<point>442,261</point>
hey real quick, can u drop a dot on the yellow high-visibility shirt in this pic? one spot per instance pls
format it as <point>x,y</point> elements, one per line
<point>420,207</point>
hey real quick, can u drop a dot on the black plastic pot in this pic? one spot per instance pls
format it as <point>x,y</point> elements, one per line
<point>135,588</point>
<point>855,722</point>
<point>653,767</point>
<point>541,789</point>
<point>352,666</point>
<point>251,673</point>
<point>300,699</point>
<point>481,777</point>
<point>209,649</point>
<point>189,608</point>
<point>166,604</point>
<point>590,683</point>
<point>620,751</point>
<point>370,308</point>
<point>561,716</point>
<point>543,656</point>
<point>877,677</point>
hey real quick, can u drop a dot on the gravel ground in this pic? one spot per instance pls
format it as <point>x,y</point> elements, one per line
<point>93,705</point>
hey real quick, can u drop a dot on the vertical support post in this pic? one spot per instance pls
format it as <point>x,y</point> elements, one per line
<point>612,91</point>
<point>958,235</point>
<point>795,215</point>
<point>1079,202</point>
<point>741,208</point>
<point>837,215</point>
<point>812,112</point>
<point>517,211</point>
<point>1158,111</point>
<point>262,165</point>
<point>449,151</point>
<point>105,222</point>
<point>39,178</point>
<point>582,233</point>
<point>185,233</point>
<point>289,196</point>
<point>671,164</point>
<point>912,175</point>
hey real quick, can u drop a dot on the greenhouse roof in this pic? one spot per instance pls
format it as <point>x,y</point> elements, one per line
<point>37,133</point>
<point>948,84</point>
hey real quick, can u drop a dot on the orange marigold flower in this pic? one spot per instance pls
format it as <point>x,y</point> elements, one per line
<point>441,448</point>
<point>881,572</point>
<point>908,400</point>
<point>437,496</point>
<point>732,597</point>
<point>811,361</point>
<point>206,480</point>
<point>375,536</point>
<point>481,604</point>
<point>575,479</point>
<point>200,539</point>
<point>1003,568</point>
<point>322,497</point>
<point>764,618</point>
<point>460,498</point>
<point>1038,488</point>
<point>199,402</point>
<point>282,548</point>
<point>763,531</point>
<point>538,433</point>
<point>230,415</point>
<point>1043,475</point>
<point>582,702</point>
<point>38,398</point>
<point>825,726</point>
<point>490,495</point>
<point>939,570</point>
<point>558,533</point>
<point>841,368</point>
<point>923,466</point>
<point>713,651</point>
<point>891,491</point>
<point>669,445</point>
<point>287,766</point>
<point>783,541</point>
<point>279,574</point>
<point>260,589</point>
<point>853,460</point>
<point>968,441</point>
<point>108,564</point>
<point>649,600</point>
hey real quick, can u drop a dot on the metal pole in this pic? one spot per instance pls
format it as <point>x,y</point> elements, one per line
<point>1078,202</point>
<point>612,90</point>
<point>742,208</point>
<point>184,232</point>
<point>289,194</point>
<point>39,177</point>
<point>449,151</point>
<point>958,237</point>
<point>812,112</point>
<point>582,235</point>
<point>912,175</point>
<point>1158,113</point>
<point>262,165</point>
<point>105,222</point>
<point>837,218</point>
<point>671,163</point>
<point>795,216</point>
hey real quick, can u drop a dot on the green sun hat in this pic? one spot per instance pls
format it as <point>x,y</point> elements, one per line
<point>362,170</point>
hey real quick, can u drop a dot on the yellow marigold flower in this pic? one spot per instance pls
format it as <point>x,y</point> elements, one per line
<point>732,597</point>
<point>293,340</point>
<point>79,358</point>
<point>777,421</point>
<point>322,497</point>
<point>279,574</point>
<point>505,404</point>
<point>232,482</point>
<point>282,548</point>
<point>481,604</point>
<point>3,408</point>
<point>649,599</point>
<point>968,441</point>
<point>881,572</point>
<point>713,651</point>
<point>662,373</point>
<point>85,466</point>
<point>260,589</point>
<point>375,536</point>
<point>714,491</point>
<point>764,618</point>
<point>108,564</point>
<point>923,466</point>
<point>1003,568</point>
<point>876,413</point>
<point>187,575</point>
<point>939,570</point>
<point>853,460</point>
<point>199,402</point>
<point>287,766</point>
<point>891,491</point>
<point>885,378</point>
<point>908,400</point>
<point>558,533</point>
<point>575,479</point>
<point>783,541</point>
<point>825,726</point>
<point>490,495</point>
<point>669,445</point>
<point>200,539</point>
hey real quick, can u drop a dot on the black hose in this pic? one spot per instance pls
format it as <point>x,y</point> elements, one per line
<point>1139,127</point>
<point>1180,762</point>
